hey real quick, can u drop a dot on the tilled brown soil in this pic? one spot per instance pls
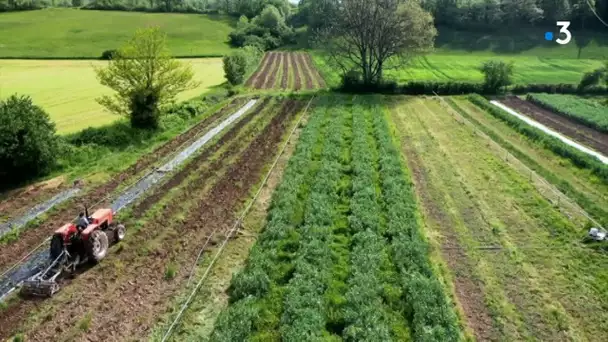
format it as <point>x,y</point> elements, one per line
<point>17,201</point>
<point>253,78</point>
<point>32,237</point>
<point>262,78</point>
<point>315,72</point>
<point>285,77</point>
<point>307,76</point>
<point>127,303</point>
<point>296,70</point>
<point>177,179</point>
<point>270,81</point>
<point>583,134</point>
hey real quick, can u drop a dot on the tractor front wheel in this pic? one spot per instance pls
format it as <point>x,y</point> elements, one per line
<point>97,247</point>
<point>120,231</point>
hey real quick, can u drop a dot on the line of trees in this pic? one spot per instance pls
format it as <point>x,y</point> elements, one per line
<point>483,14</point>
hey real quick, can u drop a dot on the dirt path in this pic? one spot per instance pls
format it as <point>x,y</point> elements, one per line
<point>32,237</point>
<point>144,292</point>
<point>296,71</point>
<point>17,201</point>
<point>276,65</point>
<point>583,134</point>
<point>467,289</point>
<point>285,79</point>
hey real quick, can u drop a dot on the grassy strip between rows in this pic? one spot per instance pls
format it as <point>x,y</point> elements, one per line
<point>579,158</point>
<point>427,308</point>
<point>562,185</point>
<point>583,111</point>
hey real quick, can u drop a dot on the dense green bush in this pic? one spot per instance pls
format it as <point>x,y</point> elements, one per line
<point>579,158</point>
<point>497,75</point>
<point>28,144</point>
<point>559,88</point>
<point>267,31</point>
<point>240,63</point>
<point>352,83</point>
<point>107,54</point>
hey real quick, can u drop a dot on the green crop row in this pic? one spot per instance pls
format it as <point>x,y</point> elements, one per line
<point>581,110</point>
<point>555,145</point>
<point>304,316</point>
<point>430,313</point>
<point>253,291</point>
<point>368,315</point>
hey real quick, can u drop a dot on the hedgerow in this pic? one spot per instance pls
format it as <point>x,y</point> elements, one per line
<point>430,313</point>
<point>577,157</point>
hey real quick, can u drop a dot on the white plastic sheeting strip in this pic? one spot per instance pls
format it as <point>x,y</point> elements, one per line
<point>547,130</point>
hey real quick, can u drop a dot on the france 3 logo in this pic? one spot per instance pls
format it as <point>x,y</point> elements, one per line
<point>564,35</point>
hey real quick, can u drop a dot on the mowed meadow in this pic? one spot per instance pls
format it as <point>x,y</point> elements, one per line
<point>70,33</point>
<point>67,89</point>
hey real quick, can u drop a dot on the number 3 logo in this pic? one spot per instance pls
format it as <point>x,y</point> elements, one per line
<point>564,29</point>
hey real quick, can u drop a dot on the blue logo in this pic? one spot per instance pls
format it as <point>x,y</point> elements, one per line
<point>549,36</point>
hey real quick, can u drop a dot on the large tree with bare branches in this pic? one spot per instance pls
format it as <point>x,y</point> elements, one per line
<point>371,36</point>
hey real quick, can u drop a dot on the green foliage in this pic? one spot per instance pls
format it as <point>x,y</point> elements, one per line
<point>592,78</point>
<point>28,144</point>
<point>431,315</point>
<point>497,74</point>
<point>85,323</point>
<point>144,77</point>
<point>586,112</point>
<point>108,54</point>
<point>267,30</point>
<point>170,271</point>
<point>580,159</point>
<point>240,63</point>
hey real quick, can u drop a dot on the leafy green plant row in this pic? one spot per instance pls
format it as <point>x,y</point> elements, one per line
<point>304,316</point>
<point>368,312</point>
<point>256,293</point>
<point>581,110</point>
<point>563,185</point>
<point>579,158</point>
<point>427,308</point>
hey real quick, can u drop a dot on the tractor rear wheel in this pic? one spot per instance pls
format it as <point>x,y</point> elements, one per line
<point>97,246</point>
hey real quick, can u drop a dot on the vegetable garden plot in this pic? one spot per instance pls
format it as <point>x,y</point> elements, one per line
<point>341,256</point>
<point>286,71</point>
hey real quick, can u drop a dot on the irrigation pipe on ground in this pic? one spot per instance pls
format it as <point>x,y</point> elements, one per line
<point>231,231</point>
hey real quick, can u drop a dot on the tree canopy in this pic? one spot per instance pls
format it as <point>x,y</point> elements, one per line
<point>144,77</point>
<point>370,36</point>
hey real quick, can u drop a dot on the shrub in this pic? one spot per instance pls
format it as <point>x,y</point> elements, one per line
<point>108,54</point>
<point>28,144</point>
<point>235,68</point>
<point>497,74</point>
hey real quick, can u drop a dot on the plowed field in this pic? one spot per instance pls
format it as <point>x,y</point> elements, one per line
<point>286,70</point>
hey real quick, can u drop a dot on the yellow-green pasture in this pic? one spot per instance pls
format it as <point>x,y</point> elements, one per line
<point>67,89</point>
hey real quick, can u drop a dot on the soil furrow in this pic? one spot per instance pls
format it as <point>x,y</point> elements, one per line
<point>149,201</point>
<point>250,82</point>
<point>262,79</point>
<point>305,71</point>
<point>32,237</point>
<point>271,80</point>
<point>296,71</point>
<point>315,72</point>
<point>143,291</point>
<point>583,134</point>
<point>285,79</point>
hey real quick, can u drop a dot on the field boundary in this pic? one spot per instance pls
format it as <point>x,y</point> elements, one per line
<point>513,161</point>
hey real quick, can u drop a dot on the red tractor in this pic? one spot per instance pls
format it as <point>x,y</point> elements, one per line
<point>72,247</point>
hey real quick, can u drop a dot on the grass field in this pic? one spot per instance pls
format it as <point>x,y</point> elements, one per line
<point>82,33</point>
<point>543,283</point>
<point>67,89</point>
